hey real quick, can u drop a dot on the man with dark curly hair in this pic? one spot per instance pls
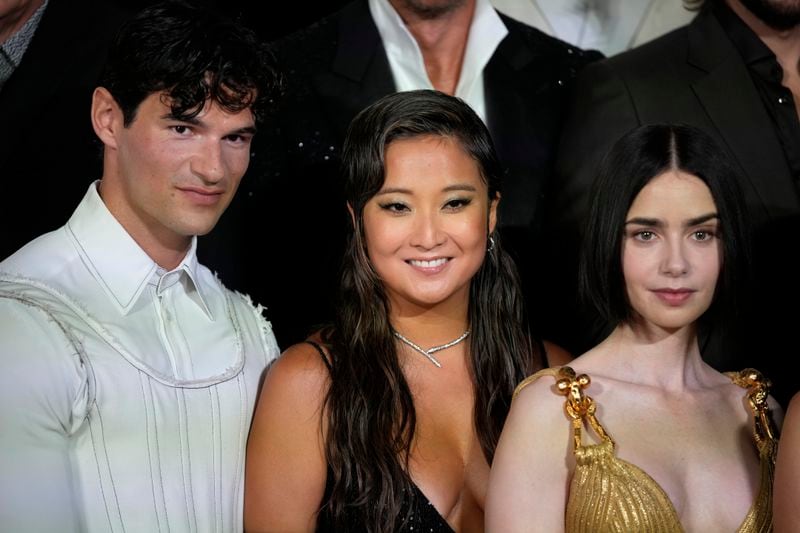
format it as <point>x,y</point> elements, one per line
<point>128,372</point>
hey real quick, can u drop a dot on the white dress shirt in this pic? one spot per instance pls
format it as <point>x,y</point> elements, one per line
<point>126,392</point>
<point>405,58</point>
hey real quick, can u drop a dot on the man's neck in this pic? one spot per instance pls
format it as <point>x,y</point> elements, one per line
<point>785,44</point>
<point>442,41</point>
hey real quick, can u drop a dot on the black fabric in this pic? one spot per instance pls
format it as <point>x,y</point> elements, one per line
<point>48,151</point>
<point>422,516</point>
<point>767,76</point>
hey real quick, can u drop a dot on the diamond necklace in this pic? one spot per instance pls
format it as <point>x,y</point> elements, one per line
<point>430,351</point>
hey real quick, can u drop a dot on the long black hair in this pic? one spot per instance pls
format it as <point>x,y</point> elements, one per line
<point>370,408</point>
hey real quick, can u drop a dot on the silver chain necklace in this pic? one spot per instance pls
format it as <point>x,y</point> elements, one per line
<point>430,351</point>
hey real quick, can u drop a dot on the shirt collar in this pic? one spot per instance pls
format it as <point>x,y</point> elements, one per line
<point>486,32</point>
<point>398,41</point>
<point>119,264</point>
<point>485,35</point>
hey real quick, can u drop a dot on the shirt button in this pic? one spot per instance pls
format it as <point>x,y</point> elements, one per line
<point>782,100</point>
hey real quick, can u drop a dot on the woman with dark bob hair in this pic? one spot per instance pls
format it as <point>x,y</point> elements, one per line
<point>388,419</point>
<point>639,434</point>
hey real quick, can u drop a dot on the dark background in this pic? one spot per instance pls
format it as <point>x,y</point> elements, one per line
<point>269,18</point>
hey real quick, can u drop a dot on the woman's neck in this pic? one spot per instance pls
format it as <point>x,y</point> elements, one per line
<point>430,326</point>
<point>651,356</point>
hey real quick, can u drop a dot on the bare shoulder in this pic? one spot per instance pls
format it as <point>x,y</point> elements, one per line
<point>793,409</point>
<point>537,398</point>
<point>285,470</point>
<point>299,371</point>
<point>788,425</point>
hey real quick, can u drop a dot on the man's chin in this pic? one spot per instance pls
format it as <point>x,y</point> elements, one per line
<point>780,15</point>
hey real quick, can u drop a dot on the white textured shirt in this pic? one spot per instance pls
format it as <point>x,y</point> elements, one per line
<point>408,66</point>
<point>126,392</point>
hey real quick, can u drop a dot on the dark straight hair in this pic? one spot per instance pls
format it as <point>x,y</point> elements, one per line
<point>370,408</point>
<point>635,159</point>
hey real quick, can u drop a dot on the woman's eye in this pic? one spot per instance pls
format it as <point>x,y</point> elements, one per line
<point>702,235</point>
<point>644,235</point>
<point>457,203</point>
<point>395,207</point>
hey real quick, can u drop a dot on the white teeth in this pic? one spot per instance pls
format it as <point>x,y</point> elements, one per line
<point>428,264</point>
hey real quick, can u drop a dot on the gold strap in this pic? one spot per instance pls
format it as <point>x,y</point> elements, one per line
<point>579,406</point>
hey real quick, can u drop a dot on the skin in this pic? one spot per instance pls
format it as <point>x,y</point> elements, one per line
<point>166,180</point>
<point>650,385</point>
<point>429,8</point>
<point>787,472</point>
<point>14,14</point>
<point>418,220</point>
<point>433,205</point>
<point>441,28</point>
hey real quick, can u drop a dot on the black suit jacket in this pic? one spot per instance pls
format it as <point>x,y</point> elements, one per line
<point>693,75</point>
<point>48,152</point>
<point>334,69</point>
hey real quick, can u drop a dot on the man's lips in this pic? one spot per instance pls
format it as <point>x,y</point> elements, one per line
<point>202,196</point>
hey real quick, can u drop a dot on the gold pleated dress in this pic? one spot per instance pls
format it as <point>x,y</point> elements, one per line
<point>609,495</point>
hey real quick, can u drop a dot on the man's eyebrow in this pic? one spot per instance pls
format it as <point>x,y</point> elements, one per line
<point>194,121</point>
<point>251,130</point>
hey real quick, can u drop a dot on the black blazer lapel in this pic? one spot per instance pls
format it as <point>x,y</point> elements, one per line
<point>359,72</point>
<point>510,97</point>
<point>525,88</point>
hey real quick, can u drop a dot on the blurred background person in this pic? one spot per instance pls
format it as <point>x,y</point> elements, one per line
<point>610,26</point>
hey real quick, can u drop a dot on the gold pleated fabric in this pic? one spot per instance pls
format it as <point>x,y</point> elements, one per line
<point>765,435</point>
<point>609,495</point>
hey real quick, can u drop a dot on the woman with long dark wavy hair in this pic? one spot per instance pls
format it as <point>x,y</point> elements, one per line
<point>388,419</point>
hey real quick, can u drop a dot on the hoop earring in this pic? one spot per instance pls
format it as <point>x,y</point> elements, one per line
<point>491,244</point>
